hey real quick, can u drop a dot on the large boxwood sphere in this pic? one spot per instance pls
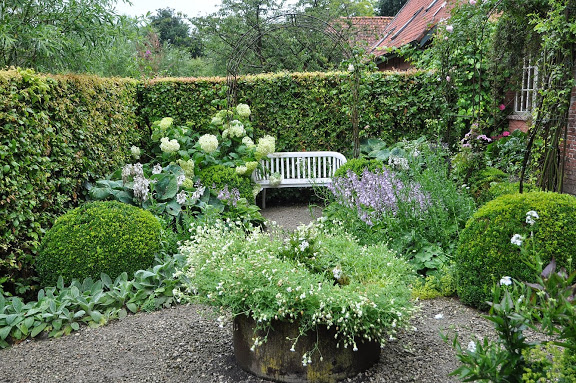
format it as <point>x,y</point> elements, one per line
<point>485,253</point>
<point>99,237</point>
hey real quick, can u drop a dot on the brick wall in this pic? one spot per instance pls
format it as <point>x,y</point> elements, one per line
<point>570,170</point>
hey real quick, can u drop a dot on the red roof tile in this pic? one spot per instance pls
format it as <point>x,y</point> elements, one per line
<point>367,30</point>
<point>412,23</point>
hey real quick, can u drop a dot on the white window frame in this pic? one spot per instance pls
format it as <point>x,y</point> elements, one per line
<point>526,97</point>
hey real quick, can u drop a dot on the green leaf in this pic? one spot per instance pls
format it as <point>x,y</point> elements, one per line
<point>96,316</point>
<point>166,187</point>
<point>100,194</point>
<point>5,331</point>
<point>75,326</point>
<point>122,314</point>
<point>132,307</point>
<point>38,329</point>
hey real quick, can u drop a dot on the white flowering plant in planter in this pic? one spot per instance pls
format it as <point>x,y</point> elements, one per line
<point>313,278</point>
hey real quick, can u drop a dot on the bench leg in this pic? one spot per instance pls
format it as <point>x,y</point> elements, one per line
<point>263,198</point>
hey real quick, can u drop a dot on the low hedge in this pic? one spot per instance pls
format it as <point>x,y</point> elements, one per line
<point>485,253</point>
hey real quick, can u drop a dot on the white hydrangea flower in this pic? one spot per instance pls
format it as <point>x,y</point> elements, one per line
<point>248,142</point>
<point>531,217</point>
<point>217,120</point>
<point>208,143</point>
<point>517,239</point>
<point>236,129</point>
<point>506,281</point>
<point>166,122</point>
<point>275,179</point>
<point>251,166</point>
<point>266,145</point>
<point>169,146</point>
<point>135,151</point>
<point>241,170</point>
<point>187,166</point>
<point>243,110</point>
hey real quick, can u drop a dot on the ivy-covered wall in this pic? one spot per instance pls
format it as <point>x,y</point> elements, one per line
<point>56,133</point>
<point>307,111</point>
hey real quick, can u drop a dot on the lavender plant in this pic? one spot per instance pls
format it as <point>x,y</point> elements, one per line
<point>411,203</point>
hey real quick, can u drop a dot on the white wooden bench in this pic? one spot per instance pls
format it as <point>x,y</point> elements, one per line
<point>297,169</point>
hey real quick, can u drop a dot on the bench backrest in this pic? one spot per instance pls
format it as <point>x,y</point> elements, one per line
<point>299,168</point>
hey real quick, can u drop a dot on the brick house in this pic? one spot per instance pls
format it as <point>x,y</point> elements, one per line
<point>416,23</point>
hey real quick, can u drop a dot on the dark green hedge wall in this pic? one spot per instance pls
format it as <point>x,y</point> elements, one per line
<point>306,111</point>
<point>56,133</point>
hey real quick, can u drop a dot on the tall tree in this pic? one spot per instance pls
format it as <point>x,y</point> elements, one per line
<point>51,35</point>
<point>174,30</point>
<point>389,7</point>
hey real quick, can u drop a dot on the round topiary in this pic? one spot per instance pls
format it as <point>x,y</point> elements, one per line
<point>218,176</point>
<point>99,237</point>
<point>358,165</point>
<point>485,252</point>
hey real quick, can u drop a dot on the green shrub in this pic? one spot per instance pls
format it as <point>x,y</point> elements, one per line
<point>219,176</point>
<point>99,237</point>
<point>481,180</point>
<point>485,252</point>
<point>358,165</point>
<point>497,189</point>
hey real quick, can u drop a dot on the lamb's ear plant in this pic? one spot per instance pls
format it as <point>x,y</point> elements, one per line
<point>61,309</point>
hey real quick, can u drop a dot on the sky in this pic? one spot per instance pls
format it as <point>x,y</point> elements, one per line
<point>191,8</point>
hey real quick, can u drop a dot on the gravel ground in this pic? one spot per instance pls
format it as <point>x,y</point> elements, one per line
<point>185,344</point>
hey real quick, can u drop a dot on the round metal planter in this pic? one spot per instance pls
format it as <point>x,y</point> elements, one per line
<point>273,360</point>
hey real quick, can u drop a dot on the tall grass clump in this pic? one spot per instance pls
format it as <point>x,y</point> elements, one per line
<point>411,204</point>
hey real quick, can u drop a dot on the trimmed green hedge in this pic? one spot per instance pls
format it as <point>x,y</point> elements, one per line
<point>485,253</point>
<point>108,237</point>
<point>304,111</point>
<point>56,133</point>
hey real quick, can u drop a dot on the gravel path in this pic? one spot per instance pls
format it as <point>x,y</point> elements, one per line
<point>185,344</point>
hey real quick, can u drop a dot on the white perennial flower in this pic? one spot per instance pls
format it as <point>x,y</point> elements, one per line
<point>337,272</point>
<point>236,129</point>
<point>517,239</point>
<point>217,121</point>
<point>506,281</point>
<point>350,68</point>
<point>241,170</point>
<point>169,146</point>
<point>181,197</point>
<point>472,346</point>
<point>141,188</point>
<point>531,217</point>
<point>180,179</point>
<point>243,110</point>
<point>208,143</point>
<point>188,167</point>
<point>157,169</point>
<point>275,179</point>
<point>400,163</point>
<point>266,145</point>
<point>166,122</point>
<point>135,151</point>
<point>248,142</point>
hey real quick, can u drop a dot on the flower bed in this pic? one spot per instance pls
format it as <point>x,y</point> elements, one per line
<point>314,278</point>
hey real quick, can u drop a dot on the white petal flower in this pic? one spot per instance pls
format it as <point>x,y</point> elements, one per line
<point>506,281</point>
<point>135,151</point>
<point>157,169</point>
<point>472,346</point>
<point>517,239</point>
<point>208,143</point>
<point>531,217</point>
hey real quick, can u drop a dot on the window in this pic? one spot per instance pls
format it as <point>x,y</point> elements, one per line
<point>526,96</point>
